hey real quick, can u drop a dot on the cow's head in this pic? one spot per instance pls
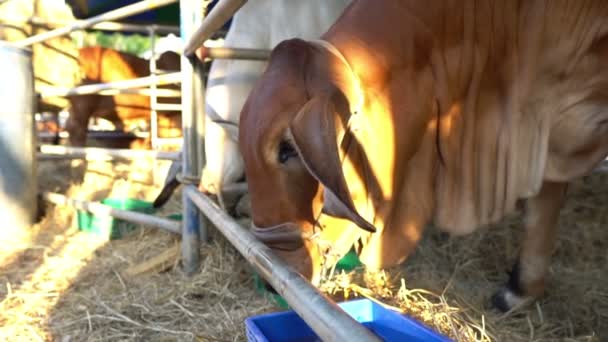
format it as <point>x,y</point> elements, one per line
<point>292,127</point>
<point>292,135</point>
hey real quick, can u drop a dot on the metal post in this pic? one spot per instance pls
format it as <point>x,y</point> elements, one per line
<point>119,13</point>
<point>199,98</point>
<point>153,97</point>
<point>191,14</point>
<point>326,318</point>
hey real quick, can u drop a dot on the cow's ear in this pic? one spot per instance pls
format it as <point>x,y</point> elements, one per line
<point>315,131</point>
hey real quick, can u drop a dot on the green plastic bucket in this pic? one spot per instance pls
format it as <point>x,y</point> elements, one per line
<point>109,227</point>
<point>348,263</point>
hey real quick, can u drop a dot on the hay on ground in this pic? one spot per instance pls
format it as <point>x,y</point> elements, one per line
<point>57,283</point>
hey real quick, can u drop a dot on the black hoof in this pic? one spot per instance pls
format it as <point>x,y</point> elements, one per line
<point>499,301</point>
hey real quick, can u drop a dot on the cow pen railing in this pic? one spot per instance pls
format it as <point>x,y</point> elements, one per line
<point>98,152</point>
<point>327,319</point>
<point>100,209</point>
<point>99,88</point>
<point>123,12</point>
<point>110,26</point>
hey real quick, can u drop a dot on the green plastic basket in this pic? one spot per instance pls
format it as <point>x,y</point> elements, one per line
<point>348,263</point>
<point>109,227</point>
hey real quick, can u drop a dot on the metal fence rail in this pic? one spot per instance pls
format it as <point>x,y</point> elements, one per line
<point>169,78</point>
<point>100,209</point>
<point>162,92</point>
<point>111,26</point>
<point>328,320</point>
<point>217,17</point>
<point>116,14</point>
<point>103,153</point>
<point>112,88</point>
<point>237,53</point>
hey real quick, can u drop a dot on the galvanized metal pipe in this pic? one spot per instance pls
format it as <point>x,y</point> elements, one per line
<point>199,89</point>
<point>100,209</point>
<point>119,13</point>
<point>237,53</point>
<point>112,26</point>
<point>326,318</point>
<point>162,92</point>
<point>222,11</point>
<point>97,152</point>
<point>192,104</point>
<point>98,135</point>
<point>168,107</point>
<point>168,78</point>
<point>235,188</point>
<point>117,87</point>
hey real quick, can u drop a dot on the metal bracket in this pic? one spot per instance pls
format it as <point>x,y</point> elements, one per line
<point>187,179</point>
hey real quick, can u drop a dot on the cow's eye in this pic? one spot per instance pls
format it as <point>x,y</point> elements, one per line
<point>286,151</point>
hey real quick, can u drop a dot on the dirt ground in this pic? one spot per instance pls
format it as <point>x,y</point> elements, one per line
<point>60,284</point>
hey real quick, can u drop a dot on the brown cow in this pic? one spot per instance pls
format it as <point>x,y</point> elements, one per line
<point>411,112</point>
<point>102,65</point>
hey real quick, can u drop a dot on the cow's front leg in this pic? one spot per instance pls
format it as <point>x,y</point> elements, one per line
<point>77,129</point>
<point>527,280</point>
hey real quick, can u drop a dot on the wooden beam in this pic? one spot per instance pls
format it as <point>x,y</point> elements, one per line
<point>159,263</point>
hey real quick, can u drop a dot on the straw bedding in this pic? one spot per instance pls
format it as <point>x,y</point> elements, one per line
<point>59,284</point>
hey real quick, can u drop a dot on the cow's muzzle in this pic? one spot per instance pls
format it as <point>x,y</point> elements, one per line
<point>286,236</point>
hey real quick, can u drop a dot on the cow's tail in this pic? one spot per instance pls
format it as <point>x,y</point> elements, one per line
<point>171,183</point>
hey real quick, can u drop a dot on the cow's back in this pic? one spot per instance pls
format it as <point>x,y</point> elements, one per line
<point>107,65</point>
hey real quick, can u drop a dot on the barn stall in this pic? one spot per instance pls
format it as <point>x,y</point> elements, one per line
<point>63,284</point>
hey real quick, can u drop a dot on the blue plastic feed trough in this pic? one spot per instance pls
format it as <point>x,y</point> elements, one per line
<point>389,325</point>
